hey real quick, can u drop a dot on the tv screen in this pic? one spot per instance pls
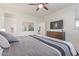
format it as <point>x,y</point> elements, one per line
<point>56,24</point>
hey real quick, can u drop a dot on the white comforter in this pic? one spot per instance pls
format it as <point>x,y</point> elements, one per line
<point>1,50</point>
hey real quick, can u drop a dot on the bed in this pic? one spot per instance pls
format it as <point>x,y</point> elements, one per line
<point>38,45</point>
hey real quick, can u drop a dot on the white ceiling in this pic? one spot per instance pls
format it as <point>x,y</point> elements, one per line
<point>31,9</point>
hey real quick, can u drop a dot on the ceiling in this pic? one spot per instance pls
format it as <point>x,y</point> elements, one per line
<point>31,9</point>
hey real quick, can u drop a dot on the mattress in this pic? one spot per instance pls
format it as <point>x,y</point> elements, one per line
<point>35,45</point>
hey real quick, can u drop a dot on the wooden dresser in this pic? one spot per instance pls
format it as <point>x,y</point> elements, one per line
<point>58,35</point>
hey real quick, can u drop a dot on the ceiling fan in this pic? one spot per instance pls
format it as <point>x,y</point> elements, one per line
<point>40,5</point>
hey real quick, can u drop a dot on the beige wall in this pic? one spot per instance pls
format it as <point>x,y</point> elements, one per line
<point>10,18</point>
<point>10,22</point>
<point>42,29</point>
<point>27,18</point>
<point>68,15</point>
<point>16,21</point>
<point>1,18</point>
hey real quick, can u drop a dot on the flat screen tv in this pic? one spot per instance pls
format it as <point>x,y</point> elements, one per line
<point>56,24</point>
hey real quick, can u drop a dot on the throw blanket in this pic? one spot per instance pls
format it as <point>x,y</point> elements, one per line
<point>65,48</point>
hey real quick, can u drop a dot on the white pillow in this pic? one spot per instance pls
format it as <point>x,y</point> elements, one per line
<point>3,42</point>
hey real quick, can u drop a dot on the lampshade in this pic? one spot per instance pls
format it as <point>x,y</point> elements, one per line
<point>2,29</point>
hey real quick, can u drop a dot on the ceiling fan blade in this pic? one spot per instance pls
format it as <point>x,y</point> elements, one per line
<point>45,7</point>
<point>33,4</point>
<point>37,9</point>
<point>45,3</point>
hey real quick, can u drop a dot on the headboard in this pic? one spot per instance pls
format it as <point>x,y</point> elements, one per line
<point>58,35</point>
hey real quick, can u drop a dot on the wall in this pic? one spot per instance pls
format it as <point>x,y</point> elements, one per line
<point>27,18</point>
<point>1,17</point>
<point>16,21</point>
<point>68,15</point>
<point>10,18</point>
<point>42,28</point>
<point>10,22</point>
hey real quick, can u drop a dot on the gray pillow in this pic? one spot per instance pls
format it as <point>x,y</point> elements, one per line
<point>9,37</point>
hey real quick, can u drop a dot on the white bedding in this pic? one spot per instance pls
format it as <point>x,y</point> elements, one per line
<point>1,50</point>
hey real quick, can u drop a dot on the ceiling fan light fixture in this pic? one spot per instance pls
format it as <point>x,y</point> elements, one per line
<point>40,6</point>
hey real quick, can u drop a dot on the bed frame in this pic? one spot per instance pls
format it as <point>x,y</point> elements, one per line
<point>58,35</point>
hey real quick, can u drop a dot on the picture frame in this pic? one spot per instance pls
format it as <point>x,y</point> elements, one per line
<point>56,24</point>
<point>28,26</point>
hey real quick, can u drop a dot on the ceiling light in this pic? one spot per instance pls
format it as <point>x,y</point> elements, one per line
<point>40,6</point>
